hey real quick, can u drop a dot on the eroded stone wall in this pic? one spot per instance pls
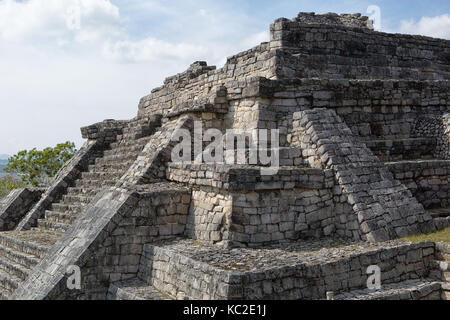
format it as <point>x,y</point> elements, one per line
<point>182,276</point>
<point>308,50</point>
<point>199,79</point>
<point>16,205</point>
<point>209,215</point>
<point>428,181</point>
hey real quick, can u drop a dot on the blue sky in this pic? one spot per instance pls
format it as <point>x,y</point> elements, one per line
<point>69,63</point>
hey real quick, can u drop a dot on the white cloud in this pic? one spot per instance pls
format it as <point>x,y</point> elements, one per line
<point>437,27</point>
<point>151,49</point>
<point>58,75</point>
<point>256,38</point>
<point>55,20</point>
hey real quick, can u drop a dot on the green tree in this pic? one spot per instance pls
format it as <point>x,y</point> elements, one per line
<point>8,183</point>
<point>34,166</point>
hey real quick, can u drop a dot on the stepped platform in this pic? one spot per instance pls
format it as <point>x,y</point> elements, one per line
<point>300,270</point>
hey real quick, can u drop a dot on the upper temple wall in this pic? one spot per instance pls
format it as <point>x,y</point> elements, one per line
<point>315,46</point>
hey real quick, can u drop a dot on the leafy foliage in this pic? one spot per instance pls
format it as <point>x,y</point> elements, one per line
<point>8,183</point>
<point>35,166</point>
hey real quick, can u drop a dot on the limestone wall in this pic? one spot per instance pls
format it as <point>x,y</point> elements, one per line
<point>271,216</point>
<point>406,149</point>
<point>239,205</point>
<point>209,216</point>
<point>428,181</point>
<point>199,79</point>
<point>181,276</point>
<point>385,109</point>
<point>330,51</point>
<point>16,205</point>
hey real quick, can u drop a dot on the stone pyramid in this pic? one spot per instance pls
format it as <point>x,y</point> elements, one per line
<point>361,159</point>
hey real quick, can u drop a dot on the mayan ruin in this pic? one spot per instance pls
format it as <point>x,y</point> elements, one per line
<point>352,131</point>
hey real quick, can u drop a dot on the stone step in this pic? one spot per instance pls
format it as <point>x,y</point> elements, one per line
<point>131,148</point>
<point>76,199</point>
<point>26,260</point>
<point>126,147</point>
<point>87,192</point>
<point>133,152</point>
<point>95,183</point>
<point>102,175</point>
<point>67,208</point>
<point>421,289</point>
<point>115,167</point>
<point>134,289</point>
<point>8,283</point>
<point>44,224</point>
<point>137,132</point>
<point>17,270</point>
<point>439,212</point>
<point>59,217</point>
<point>116,159</point>
<point>4,292</point>
<point>134,134</point>
<point>15,267</point>
<point>31,242</point>
<point>403,149</point>
<point>288,156</point>
<point>95,156</point>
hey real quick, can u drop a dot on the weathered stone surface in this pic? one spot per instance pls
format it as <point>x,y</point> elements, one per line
<point>364,129</point>
<point>301,270</point>
<point>14,206</point>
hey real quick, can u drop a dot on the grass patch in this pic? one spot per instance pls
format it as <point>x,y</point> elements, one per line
<point>439,236</point>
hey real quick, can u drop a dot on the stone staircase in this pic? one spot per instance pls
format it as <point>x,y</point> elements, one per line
<point>104,173</point>
<point>21,250</point>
